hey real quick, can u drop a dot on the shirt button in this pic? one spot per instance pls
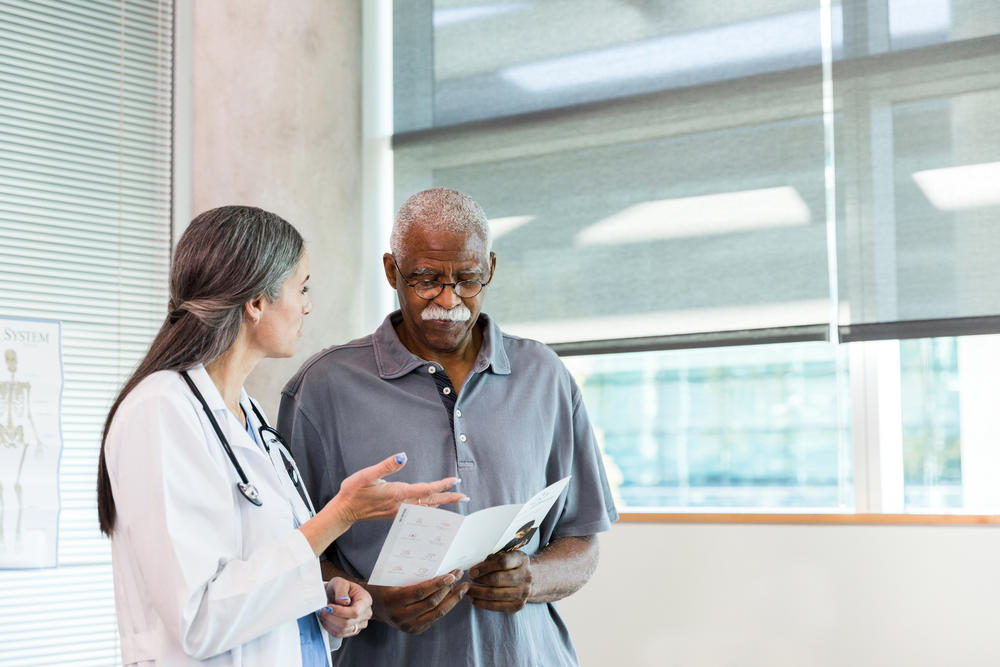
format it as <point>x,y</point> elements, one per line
<point>446,391</point>
<point>458,413</point>
<point>462,437</point>
<point>431,369</point>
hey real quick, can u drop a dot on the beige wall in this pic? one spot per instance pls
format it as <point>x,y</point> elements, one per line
<point>681,595</point>
<point>276,122</point>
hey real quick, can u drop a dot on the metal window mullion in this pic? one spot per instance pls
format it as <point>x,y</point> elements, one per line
<point>877,426</point>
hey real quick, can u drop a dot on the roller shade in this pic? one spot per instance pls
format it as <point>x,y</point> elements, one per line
<point>675,169</point>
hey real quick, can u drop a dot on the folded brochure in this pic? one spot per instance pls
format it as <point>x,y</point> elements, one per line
<point>425,542</point>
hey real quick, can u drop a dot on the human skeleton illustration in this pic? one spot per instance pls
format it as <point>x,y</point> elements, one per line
<point>15,400</point>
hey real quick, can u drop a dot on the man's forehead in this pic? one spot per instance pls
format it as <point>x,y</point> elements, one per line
<point>425,236</point>
<point>430,248</point>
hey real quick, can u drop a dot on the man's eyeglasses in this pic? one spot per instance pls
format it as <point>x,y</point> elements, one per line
<point>430,289</point>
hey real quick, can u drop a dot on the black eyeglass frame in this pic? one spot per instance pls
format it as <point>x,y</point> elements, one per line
<point>441,285</point>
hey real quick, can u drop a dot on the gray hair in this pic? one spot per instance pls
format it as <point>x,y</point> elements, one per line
<point>226,257</point>
<point>440,209</point>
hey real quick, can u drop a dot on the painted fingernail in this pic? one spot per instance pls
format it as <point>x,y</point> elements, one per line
<point>458,480</point>
<point>401,458</point>
<point>463,499</point>
<point>328,609</point>
<point>345,599</point>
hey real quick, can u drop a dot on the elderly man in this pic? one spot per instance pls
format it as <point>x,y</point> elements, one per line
<point>440,380</point>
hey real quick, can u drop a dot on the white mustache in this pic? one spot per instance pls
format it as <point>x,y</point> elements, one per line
<point>435,312</point>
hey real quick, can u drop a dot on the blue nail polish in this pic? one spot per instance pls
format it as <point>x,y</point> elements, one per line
<point>344,597</point>
<point>401,458</point>
<point>463,500</point>
<point>328,610</point>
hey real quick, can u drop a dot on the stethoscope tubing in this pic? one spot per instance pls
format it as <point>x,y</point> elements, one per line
<point>246,488</point>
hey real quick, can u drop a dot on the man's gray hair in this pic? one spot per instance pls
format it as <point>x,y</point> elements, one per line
<point>440,209</point>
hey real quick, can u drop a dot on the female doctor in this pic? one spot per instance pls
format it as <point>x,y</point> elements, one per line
<point>214,542</point>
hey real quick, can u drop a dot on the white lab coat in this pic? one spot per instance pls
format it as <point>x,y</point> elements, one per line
<point>202,576</point>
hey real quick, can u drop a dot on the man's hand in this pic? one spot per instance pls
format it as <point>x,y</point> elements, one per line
<point>501,582</point>
<point>415,608</point>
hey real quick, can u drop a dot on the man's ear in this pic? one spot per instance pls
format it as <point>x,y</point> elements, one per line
<point>390,269</point>
<point>493,263</point>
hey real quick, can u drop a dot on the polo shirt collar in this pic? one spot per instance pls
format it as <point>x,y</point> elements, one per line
<point>393,360</point>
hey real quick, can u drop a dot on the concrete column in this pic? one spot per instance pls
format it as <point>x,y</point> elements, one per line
<point>276,123</point>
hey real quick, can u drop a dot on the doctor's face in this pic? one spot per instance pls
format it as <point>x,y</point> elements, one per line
<point>280,325</point>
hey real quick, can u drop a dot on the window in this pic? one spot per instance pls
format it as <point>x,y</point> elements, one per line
<point>760,426</point>
<point>85,200</point>
<point>762,235</point>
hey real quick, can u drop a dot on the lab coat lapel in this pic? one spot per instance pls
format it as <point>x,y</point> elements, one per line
<point>299,508</point>
<point>233,430</point>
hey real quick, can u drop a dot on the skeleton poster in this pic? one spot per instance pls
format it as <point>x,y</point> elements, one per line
<point>31,382</point>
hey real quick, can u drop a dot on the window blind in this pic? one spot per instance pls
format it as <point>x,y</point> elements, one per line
<point>660,169</point>
<point>85,199</point>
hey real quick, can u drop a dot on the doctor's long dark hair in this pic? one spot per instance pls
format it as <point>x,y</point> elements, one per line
<point>226,257</point>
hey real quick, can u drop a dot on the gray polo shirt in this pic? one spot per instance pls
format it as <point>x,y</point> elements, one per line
<point>518,425</point>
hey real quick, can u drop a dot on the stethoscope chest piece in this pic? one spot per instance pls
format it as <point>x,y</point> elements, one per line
<point>249,492</point>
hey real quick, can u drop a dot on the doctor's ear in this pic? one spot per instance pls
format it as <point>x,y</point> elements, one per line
<point>254,308</point>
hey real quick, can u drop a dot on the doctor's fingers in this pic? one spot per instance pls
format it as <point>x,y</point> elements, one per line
<point>359,595</point>
<point>435,499</point>
<point>423,490</point>
<point>342,627</point>
<point>354,613</point>
<point>387,466</point>
<point>338,591</point>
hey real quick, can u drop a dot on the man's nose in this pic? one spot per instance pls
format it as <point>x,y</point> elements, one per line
<point>447,299</point>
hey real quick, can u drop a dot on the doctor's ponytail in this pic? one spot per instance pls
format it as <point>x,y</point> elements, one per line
<point>226,257</point>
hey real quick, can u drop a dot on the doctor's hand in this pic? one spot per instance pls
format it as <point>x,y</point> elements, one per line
<point>349,609</point>
<point>501,582</point>
<point>415,608</point>
<point>365,495</point>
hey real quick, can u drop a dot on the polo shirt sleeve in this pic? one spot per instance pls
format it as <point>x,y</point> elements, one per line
<point>312,453</point>
<point>589,506</point>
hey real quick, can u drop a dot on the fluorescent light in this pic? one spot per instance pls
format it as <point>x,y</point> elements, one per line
<point>501,226</point>
<point>700,216</point>
<point>958,188</point>
<point>793,35</point>
<point>911,18</point>
<point>455,15</point>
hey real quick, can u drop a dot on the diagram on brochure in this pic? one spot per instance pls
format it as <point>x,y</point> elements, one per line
<point>425,542</point>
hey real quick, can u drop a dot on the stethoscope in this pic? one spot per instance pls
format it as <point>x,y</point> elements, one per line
<point>248,490</point>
